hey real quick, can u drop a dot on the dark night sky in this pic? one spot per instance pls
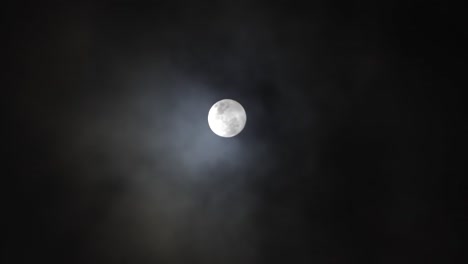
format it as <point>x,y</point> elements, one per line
<point>349,155</point>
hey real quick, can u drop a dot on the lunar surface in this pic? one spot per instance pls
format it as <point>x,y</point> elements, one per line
<point>227,118</point>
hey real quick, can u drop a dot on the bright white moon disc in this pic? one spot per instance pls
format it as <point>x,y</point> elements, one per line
<point>227,118</point>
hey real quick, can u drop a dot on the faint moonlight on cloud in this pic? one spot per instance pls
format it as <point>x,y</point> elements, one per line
<point>227,118</point>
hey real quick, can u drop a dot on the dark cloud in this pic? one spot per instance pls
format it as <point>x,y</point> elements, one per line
<point>348,154</point>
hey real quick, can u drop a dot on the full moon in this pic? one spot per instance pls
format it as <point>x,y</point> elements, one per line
<point>227,118</point>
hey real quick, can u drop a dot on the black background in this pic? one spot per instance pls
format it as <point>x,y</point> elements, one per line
<point>352,150</point>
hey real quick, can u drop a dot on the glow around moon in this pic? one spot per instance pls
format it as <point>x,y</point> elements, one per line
<point>227,118</point>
